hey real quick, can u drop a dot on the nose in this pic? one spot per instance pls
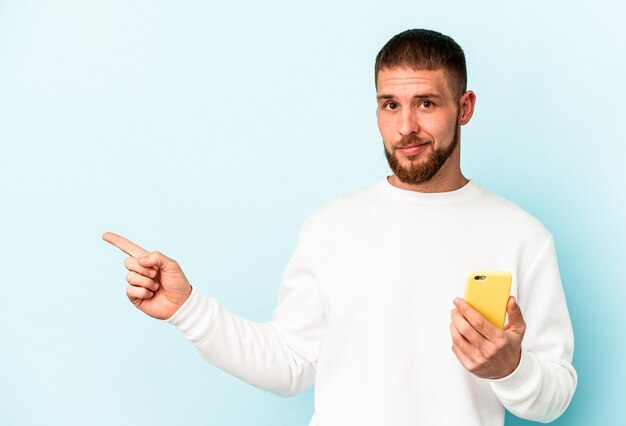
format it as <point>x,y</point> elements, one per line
<point>408,122</point>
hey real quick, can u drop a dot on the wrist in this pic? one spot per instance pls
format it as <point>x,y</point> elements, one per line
<point>524,369</point>
<point>195,317</point>
<point>512,367</point>
<point>184,296</point>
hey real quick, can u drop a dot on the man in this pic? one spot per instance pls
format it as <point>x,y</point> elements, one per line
<point>364,310</point>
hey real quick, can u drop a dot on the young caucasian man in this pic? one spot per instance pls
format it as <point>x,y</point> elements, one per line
<point>364,308</point>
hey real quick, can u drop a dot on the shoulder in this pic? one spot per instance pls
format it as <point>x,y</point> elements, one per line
<point>506,214</point>
<point>346,208</point>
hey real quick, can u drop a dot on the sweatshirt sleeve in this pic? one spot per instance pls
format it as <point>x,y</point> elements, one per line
<point>278,356</point>
<point>542,385</point>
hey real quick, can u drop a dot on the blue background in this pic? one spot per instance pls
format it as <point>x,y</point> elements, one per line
<point>211,131</point>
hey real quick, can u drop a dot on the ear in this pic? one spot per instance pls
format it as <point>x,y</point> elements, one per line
<point>467,103</point>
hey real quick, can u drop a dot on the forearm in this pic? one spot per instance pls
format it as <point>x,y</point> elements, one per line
<point>538,389</point>
<point>253,352</point>
<point>542,386</point>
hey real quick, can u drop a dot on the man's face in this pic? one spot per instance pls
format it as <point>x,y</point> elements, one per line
<point>418,119</point>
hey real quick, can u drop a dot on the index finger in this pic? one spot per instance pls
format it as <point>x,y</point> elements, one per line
<point>480,323</point>
<point>123,244</point>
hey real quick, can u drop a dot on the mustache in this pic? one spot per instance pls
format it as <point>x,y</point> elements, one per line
<point>411,139</point>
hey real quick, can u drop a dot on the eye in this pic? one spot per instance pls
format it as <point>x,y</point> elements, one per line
<point>390,106</point>
<point>427,104</point>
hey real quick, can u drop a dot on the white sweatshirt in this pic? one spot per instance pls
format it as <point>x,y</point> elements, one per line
<point>364,313</point>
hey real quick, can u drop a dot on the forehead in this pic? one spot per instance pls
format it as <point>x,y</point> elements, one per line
<point>398,81</point>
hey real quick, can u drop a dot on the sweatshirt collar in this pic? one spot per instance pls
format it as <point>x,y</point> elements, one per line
<point>394,193</point>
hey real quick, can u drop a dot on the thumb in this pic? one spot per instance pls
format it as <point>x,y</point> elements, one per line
<point>516,320</point>
<point>158,260</point>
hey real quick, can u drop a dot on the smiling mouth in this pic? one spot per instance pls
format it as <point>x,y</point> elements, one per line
<point>412,149</point>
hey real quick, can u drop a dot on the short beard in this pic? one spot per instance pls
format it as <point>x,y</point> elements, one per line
<point>426,170</point>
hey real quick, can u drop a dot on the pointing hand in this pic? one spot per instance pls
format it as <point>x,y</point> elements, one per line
<point>158,286</point>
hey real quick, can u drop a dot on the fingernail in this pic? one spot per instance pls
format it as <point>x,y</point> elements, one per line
<point>152,273</point>
<point>143,259</point>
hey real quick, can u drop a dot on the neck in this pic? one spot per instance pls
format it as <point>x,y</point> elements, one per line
<point>431,185</point>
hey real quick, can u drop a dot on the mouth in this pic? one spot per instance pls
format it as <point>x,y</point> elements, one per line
<point>412,149</point>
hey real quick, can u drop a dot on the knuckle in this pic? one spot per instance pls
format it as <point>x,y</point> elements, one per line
<point>479,324</point>
<point>136,279</point>
<point>500,344</point>
<point>465,328</point>
<point>477,364</point>
<point>137,292</point>
<point>490,352</point>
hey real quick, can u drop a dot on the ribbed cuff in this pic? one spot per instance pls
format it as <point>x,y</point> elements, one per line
<point>194,316</point>
<point>521,381</point>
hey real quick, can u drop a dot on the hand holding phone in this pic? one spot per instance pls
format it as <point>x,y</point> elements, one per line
<point>479,340</point>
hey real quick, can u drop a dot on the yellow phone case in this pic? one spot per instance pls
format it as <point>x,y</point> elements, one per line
<point>488,293</point>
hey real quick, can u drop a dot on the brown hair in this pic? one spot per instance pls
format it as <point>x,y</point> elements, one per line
<point>420,49</point>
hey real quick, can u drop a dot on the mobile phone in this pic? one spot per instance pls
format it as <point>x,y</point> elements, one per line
<point>488,293</point>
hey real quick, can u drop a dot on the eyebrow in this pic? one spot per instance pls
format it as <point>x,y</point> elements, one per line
<point>419,96</point>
